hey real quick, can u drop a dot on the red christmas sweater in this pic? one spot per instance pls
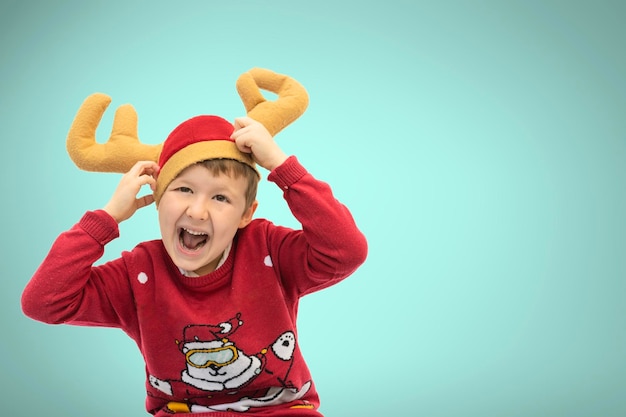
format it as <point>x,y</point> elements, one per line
<point>222,344</point>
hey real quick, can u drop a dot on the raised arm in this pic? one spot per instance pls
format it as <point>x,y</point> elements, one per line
<point>330,246</point>
<point>65,287</point>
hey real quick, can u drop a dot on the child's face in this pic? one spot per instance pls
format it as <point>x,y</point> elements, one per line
<point>199,214</point>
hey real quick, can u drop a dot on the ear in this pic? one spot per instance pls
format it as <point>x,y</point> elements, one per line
<point>246,218</point>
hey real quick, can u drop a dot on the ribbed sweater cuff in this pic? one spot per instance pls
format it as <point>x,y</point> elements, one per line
<point>100,226</point>
<point>287,173</point>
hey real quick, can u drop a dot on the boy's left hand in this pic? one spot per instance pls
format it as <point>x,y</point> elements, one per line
<point>252,137</point>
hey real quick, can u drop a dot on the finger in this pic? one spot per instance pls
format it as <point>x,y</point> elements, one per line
<point>145,166</point>
<point>143,173</point>
<point>237,133</point>
<point>243,144</point>
<point>241,122</point>
<point>147,180</point>
<point>151,168</point>
<point>144,201</point>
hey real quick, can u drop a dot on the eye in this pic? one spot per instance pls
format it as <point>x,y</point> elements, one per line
<point>221,198</point>
<point>184,189</point>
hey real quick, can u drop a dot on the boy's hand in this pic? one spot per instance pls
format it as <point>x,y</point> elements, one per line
<point>124,201</point>
<point>252,137</point>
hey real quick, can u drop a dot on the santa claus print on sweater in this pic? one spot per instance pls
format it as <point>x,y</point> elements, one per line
<point>214,364</point>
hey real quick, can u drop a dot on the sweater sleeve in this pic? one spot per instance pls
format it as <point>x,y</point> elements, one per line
<point>330,246</point>
<point>66,288</point>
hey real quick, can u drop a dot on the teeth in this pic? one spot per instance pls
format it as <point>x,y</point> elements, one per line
<point>193,232</point>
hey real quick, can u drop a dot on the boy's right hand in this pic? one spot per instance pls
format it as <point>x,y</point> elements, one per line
<point>124,202</point>
<point>253,137</point>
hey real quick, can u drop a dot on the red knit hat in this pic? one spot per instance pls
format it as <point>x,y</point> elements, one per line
<point>198,139</point>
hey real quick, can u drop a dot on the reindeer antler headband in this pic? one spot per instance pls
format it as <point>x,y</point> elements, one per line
<point>204,137</point>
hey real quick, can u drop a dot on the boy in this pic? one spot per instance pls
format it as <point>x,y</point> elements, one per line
<point>212,305</point>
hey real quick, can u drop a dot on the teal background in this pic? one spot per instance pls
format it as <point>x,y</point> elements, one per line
<point>481,146</point>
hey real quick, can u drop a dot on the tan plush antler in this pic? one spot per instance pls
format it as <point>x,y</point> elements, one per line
<point>275,115</point>
<point>123,149</point>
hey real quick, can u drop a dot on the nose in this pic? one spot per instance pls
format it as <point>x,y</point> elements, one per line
<point>198,209</point>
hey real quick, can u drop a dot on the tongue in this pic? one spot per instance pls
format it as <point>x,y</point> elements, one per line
<point>193,241</point>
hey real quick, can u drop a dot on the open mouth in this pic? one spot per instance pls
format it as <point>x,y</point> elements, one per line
<point>191,239</point>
